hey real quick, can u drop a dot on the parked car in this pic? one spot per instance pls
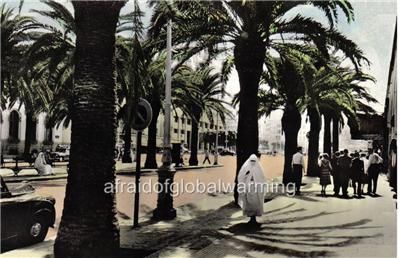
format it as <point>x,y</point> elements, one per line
<point>25,216</point>
<point>227,153</point>
<point>61,153</point>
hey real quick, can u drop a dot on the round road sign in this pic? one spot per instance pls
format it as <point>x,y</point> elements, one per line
<point>143,115</point>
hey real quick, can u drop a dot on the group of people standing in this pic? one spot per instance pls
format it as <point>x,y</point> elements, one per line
<point>355,169</point>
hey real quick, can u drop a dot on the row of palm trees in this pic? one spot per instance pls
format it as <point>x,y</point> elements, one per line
<point>47,54</point>
<point>283,61</point>
<point>270,42</point>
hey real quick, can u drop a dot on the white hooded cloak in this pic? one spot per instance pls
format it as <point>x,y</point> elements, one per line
<point>41,166</point>
<point>251,187</point>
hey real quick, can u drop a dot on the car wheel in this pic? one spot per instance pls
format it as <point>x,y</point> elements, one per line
<point>36,230</point>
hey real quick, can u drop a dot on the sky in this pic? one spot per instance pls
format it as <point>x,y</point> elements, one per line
<point>372,30</point>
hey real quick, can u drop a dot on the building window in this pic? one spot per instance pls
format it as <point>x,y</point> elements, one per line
<point>48,134</point>
<point>175,130</point>
<point>176,119</point>
<point>182,131</point>
<point>14,126</point>
<point>183,120</point>
<point>201,124</point>
<point>188,121</point>
<point>205,125</point>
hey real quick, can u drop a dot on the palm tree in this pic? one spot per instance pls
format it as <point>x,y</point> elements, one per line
<point>286,88</point>
<point>331,88</point>
<point>16,32</point>
<point>250,29</point>
<point>19,83</point>
<point>88,225</point>
<point>204,100</point>
<point>335,110</point>
<point>132,73</point>
<point>51,55</point>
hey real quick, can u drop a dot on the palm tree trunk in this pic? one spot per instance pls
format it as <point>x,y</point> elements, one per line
<point>89,227</point>
<point>335,134</point>
<point>249,56</point>
<point>193,160</point>
<point>30,123</point>
<point>291,123</point>
<point>313,142</point>
<point>327,134</point>
<point>151,161</point>
<point>126,156</point>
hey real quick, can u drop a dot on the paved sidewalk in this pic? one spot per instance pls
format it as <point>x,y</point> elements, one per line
<point>303,226</point>
<point>60,172</point>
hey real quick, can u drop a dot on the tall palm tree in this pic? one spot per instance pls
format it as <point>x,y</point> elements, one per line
<point>339,108</point>
<point>205,100</point>
<point>249,30</point>
<point>88,225</point>
<point>286,88</point>
<point>331,88</point>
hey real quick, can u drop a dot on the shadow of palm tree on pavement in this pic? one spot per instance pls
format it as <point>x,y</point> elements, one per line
<point>281,232</point>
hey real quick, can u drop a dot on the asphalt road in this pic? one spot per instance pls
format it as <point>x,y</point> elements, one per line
<point>225,175</point>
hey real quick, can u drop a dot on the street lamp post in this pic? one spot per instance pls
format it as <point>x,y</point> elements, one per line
<point>166,172</point>
<point>216,144</point>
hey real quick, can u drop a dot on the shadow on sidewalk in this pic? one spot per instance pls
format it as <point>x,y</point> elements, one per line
<point>275,236</point>
<point>315,239</point>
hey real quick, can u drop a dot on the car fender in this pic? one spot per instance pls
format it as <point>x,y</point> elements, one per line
<point>48,214</point>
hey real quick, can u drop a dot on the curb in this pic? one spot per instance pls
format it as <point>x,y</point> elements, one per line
<point>17,179</point>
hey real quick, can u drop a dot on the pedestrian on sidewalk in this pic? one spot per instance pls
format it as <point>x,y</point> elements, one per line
<point>251,183</point>
<point>335,174</point>
<point>375,163</point>
<point>42,167</point>
<point>357,172</point>
<point>206,157</point>
<point>364,179</point>
<point>325,173</point>
<point>344,164</point>
<point>298,168</point>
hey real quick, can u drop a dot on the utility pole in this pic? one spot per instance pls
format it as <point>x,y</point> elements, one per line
<point>165,209</point>
<point>216,144</point>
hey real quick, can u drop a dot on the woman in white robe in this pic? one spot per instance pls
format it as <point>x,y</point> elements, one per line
<point>41,166</point>
<point>251,188</point>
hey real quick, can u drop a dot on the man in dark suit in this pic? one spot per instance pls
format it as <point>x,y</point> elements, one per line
<point>344,164</point>
<point>357,171</point>
<point>335,173</point>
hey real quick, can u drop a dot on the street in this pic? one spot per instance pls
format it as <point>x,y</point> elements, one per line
<point>273,166</point>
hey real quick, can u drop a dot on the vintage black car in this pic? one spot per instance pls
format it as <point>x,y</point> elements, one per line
<point>227,153</point>
<point>61,153</point>
<point>25,216</point>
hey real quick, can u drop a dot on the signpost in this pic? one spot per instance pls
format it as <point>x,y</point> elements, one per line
<point>141,121</point>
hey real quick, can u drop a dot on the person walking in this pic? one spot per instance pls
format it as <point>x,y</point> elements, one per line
<point>344,164</point>
<point>251,182</point>
<point>324,173</point>
<point>207,157</point>
<point>374,166</point>
<point>335,173</point>
<point>298,168</point>
<point>357,172</point>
